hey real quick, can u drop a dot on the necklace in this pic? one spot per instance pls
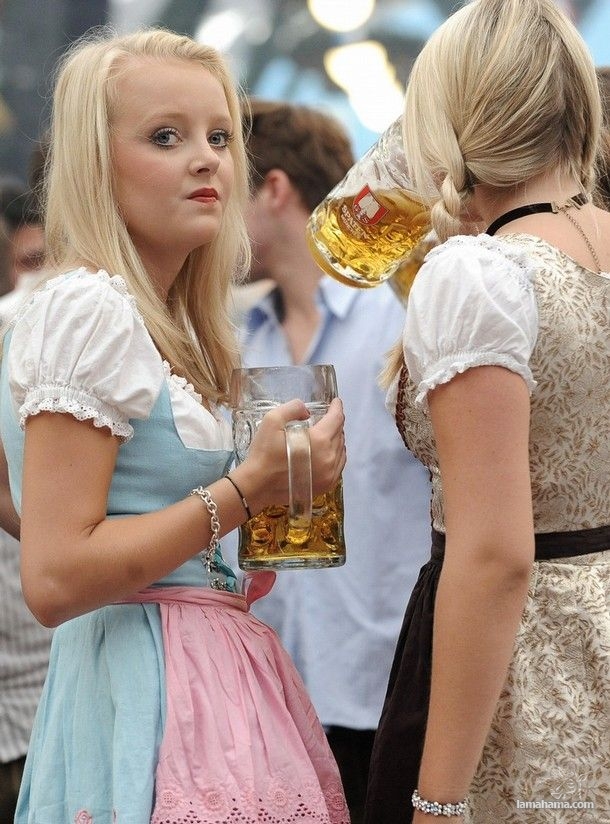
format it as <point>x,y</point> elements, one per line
<point>534,208</point>
<point>576,201</point>
<point>588,243</point>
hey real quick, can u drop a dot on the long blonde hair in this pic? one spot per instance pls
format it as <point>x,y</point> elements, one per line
<point>193,330</point>
<point>501,92</point>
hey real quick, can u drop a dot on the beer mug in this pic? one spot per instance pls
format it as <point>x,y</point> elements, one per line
<point>308,533</point>
<point>404,275</point>
<point>372,220</point>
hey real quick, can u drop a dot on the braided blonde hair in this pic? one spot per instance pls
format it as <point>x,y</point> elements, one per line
<point>503,91</point>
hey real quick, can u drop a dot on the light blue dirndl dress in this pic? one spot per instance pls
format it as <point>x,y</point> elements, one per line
<point>80,347</point>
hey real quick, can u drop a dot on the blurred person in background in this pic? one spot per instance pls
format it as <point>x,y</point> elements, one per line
<point>11,189</point>
<point>22,213</point>
<point>340,626</point>
<point>24,643</point>
<point>5,283</point>
<point>24,657</point>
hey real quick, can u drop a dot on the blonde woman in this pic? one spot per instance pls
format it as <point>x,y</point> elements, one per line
<point>166,701</point>
<point>498,707</point>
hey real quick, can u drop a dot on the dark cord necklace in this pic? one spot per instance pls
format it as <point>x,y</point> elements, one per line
<point>534,208</point>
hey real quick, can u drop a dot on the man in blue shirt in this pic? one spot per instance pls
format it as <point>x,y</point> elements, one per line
<point>340,626</point>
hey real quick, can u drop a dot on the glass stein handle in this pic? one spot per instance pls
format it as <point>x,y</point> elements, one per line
<point>299,481</point>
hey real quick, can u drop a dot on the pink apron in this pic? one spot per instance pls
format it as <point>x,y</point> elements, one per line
<point>242,743</point>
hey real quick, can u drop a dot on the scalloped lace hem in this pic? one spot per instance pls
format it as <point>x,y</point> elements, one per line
<point>67,400</point>
<point>281,801</point>
<point>216,807</point>
<point>456,364</point>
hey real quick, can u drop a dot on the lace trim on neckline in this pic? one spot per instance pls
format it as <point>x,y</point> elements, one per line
<point>181,382</point>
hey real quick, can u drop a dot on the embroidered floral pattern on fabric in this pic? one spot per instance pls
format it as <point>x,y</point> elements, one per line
<point>83,817</point>
<point>280,796</point>
<point>215,801</point>
<point>168,799</point>
<point>561,654</point>
<point>573,306</point>
<point>549,737</point>
<point>282,804</point>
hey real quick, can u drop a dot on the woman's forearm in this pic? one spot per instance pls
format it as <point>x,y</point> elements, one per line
<point>75,558</point>
<point>118,556</point>
<point>477,614</point>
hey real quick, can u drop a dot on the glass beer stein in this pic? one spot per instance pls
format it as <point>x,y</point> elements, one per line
<point>404,274</point>
<point>372,220</point>
<point>308,533</point>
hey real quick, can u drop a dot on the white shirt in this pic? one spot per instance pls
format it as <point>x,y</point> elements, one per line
<point>340,625</point>
<point>472,304</point>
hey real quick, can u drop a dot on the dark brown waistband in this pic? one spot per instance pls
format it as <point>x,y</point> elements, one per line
<point>550,545</point>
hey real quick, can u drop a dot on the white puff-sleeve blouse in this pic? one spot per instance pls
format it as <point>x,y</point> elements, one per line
<point>472,304</point>
<point>79,346</point>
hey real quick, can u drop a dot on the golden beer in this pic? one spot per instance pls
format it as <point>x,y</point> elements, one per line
<point>361,240</point>
<point>308,533</point>
<point>270,540</point>
<point>402,279</point>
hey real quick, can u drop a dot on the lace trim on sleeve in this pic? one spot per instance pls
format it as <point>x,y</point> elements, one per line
<point>56,397</point>
<point>457,363</point>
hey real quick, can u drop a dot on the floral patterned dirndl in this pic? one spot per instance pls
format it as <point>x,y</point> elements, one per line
<point>519,303</point>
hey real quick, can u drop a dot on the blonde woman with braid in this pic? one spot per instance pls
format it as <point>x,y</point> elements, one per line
<point>498,706</point>
<point>166,700</point>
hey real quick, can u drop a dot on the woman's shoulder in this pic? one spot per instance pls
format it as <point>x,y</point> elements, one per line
<point>80,344</point>
<point>77,290</point>
<point>471,304</point>
<point>481,256</point>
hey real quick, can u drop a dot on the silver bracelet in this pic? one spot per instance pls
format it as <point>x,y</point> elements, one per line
<point>210,503</point>
<point>436,808</point>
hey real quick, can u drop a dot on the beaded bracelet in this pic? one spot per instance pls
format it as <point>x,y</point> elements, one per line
<point>210,503</point>
<point>436,808</point>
